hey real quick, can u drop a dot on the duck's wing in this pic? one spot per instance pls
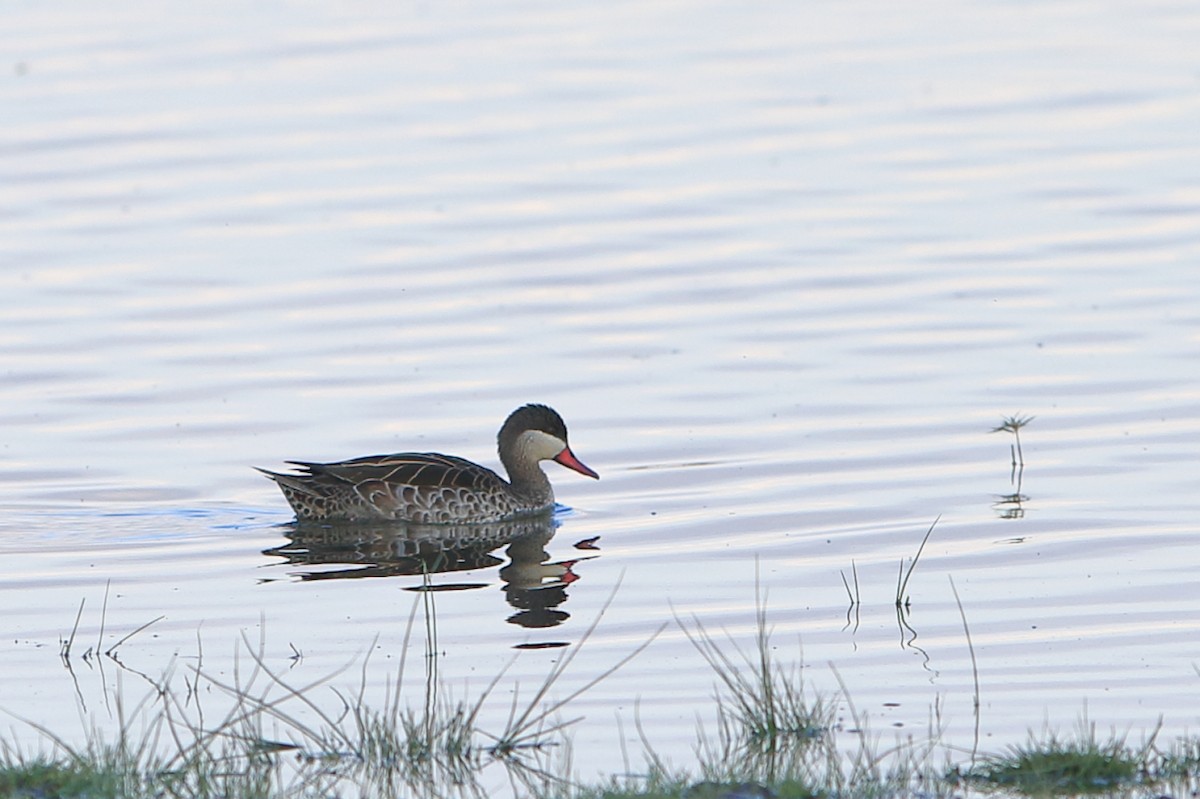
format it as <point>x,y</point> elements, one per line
<point>416,469</point>
<point>416,486</point>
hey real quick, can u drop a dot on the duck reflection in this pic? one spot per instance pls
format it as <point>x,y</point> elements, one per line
<point>533,585</point>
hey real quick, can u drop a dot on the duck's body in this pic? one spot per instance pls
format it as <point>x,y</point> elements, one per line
<point>429,488</point>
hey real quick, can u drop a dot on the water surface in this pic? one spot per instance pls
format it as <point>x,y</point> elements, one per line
<point>781,269</point>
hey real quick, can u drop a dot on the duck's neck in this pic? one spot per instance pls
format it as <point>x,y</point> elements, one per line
<point>527,479</point>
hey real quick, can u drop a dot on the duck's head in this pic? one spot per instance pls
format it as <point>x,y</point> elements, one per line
<point>535,433</point>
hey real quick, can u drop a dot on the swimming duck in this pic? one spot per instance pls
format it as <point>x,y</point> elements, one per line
<point>429,488</point>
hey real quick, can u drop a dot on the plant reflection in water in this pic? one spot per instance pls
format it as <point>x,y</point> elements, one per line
<point>533,585</point>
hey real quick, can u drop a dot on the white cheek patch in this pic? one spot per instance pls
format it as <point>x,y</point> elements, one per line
<point>540,446</point>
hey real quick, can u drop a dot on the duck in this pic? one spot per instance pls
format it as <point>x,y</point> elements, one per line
<point>431,488</point>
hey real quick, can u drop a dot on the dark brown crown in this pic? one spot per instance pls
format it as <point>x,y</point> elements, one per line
<point>531,417</point>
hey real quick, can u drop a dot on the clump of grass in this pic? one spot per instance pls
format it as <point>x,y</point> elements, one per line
<point>1058,766</point>
<point>662,786</point>
<point>764,706</point>
<point>44,777</point>
<point>656,784</point>
<point>775,740</point>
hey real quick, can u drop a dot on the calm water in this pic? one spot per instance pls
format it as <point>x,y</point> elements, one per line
<point>781,269</point>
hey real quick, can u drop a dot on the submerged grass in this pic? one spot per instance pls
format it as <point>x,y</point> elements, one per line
<point>773,740</point>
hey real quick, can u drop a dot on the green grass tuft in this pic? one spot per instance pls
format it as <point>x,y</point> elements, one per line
<point>43,777</point>
<point>1063,766</point>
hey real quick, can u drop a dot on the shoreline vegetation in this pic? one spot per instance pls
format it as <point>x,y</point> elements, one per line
<point>772,739</point>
